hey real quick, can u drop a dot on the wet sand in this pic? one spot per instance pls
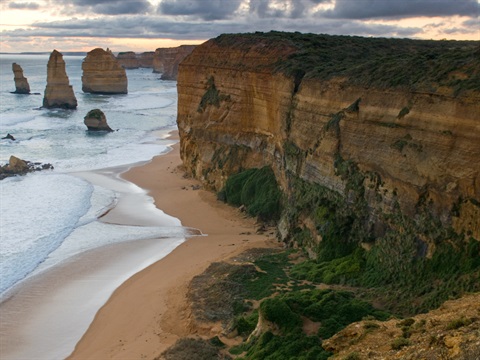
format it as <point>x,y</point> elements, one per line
<point>150,311</point>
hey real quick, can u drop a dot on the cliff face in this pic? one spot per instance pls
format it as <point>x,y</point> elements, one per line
<point>166,60</point>
<point>58,92</point>
<point>386,152</point>
<point>21,83</point>
<point>102,74</point>
<point>131,60</point>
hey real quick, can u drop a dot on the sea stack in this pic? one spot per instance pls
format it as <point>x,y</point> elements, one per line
<point>59,92</point>
<point>102,74</point>
<point>128,60</point>
<point>95,120</point>
<point>21,83</point>
<point>166,60</point>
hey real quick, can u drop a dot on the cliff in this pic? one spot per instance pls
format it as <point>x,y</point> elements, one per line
<point>21,83</point>
<point>102,74</point>
<point>58,92</point>
<point>376,136</point>
<point>131,60</point>
<point>166,60</point>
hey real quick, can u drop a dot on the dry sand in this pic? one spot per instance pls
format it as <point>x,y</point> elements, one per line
<point>150,311</point>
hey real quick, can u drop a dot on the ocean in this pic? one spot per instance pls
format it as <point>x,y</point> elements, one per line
<point>49,217</point>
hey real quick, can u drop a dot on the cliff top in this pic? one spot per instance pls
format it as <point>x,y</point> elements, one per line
<point>416,65</point>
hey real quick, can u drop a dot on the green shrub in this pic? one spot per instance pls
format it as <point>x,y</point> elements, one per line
<point>399,343</point>
<point>257,189</point>
<point>277,311</point>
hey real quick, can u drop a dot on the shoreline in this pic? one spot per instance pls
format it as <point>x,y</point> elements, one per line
<point>149,312</point>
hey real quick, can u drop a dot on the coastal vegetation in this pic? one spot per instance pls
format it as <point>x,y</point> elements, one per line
<point>415,65</point>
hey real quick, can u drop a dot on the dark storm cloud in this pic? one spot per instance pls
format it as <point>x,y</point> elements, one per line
<point>366,9</point>
<point>201,9</point>
<point>110,7</point>
<point>23,6</point>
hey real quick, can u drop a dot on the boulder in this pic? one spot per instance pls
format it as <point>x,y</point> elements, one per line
<point>102,73</point>
<point>21,83</point>
<point>59,92</point>
<point>95,120</point>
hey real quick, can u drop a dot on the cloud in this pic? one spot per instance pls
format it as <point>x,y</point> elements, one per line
<point>283,8</point>
<point>367,9</point>
<point>201,9</point>
<point>23,6</point>
<point>108,7</point>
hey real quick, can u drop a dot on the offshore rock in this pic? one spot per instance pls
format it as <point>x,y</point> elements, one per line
<point>58,92</point>
<point>8,137</point>
<point>18,166</point>
<point>21,83</point>
<point>102,73</point>
<point>128,60</point>
<point>167,60</point>
<point>131,60</point>
<point>95,120</point>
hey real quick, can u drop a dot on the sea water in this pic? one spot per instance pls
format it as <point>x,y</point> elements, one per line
<point>50,216</point>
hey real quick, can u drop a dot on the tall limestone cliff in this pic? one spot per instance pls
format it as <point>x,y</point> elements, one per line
<point>380,135</point>
<point>58,92</point>
<point>21,82</point>
<point>102,74</point>
<point>166,60</point>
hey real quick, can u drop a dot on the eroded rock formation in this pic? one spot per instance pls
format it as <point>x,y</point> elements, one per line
<point>58,92</point>
<point>102,74</point>
<point>131,60</point>
<point>17,166</point>
<point>394,146</point>
<point>166,60</point>
<point>95,120</point>
<point>21,83</point>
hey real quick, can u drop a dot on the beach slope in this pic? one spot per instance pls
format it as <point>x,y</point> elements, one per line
<point>150,311</point>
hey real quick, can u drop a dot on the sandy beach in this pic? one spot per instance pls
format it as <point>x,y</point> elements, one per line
<point>150,311</point>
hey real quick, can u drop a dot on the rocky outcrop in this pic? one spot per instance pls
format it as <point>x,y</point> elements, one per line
<point>21,83</point>
<point>394,146</point>
<point>95,120</point>
<point>166,60</point>
<point>18,166</point>
<point>131,60</point>
<point>128,60</point>
<point>450,332</point>
<point>58,92</point>
<point>102,74</point>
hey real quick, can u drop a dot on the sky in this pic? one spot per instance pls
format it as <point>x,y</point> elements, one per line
<point>145,25</point>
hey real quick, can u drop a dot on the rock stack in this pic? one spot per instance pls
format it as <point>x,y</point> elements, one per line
<point>102,74</point>
<point>95,120</point>
<point>58,93</point>
<point>21,83</point>
<point>128,60</point>
<point>166,60</point>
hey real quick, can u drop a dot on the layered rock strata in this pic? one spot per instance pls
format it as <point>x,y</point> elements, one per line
<point>58,92</point>
<point>167,60</point>
<point>391,146</point>
<point>102,74</point>
<point>21,82</point>
<point>95,120</point>
<point>128,60</point>
<point>131,60</point>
